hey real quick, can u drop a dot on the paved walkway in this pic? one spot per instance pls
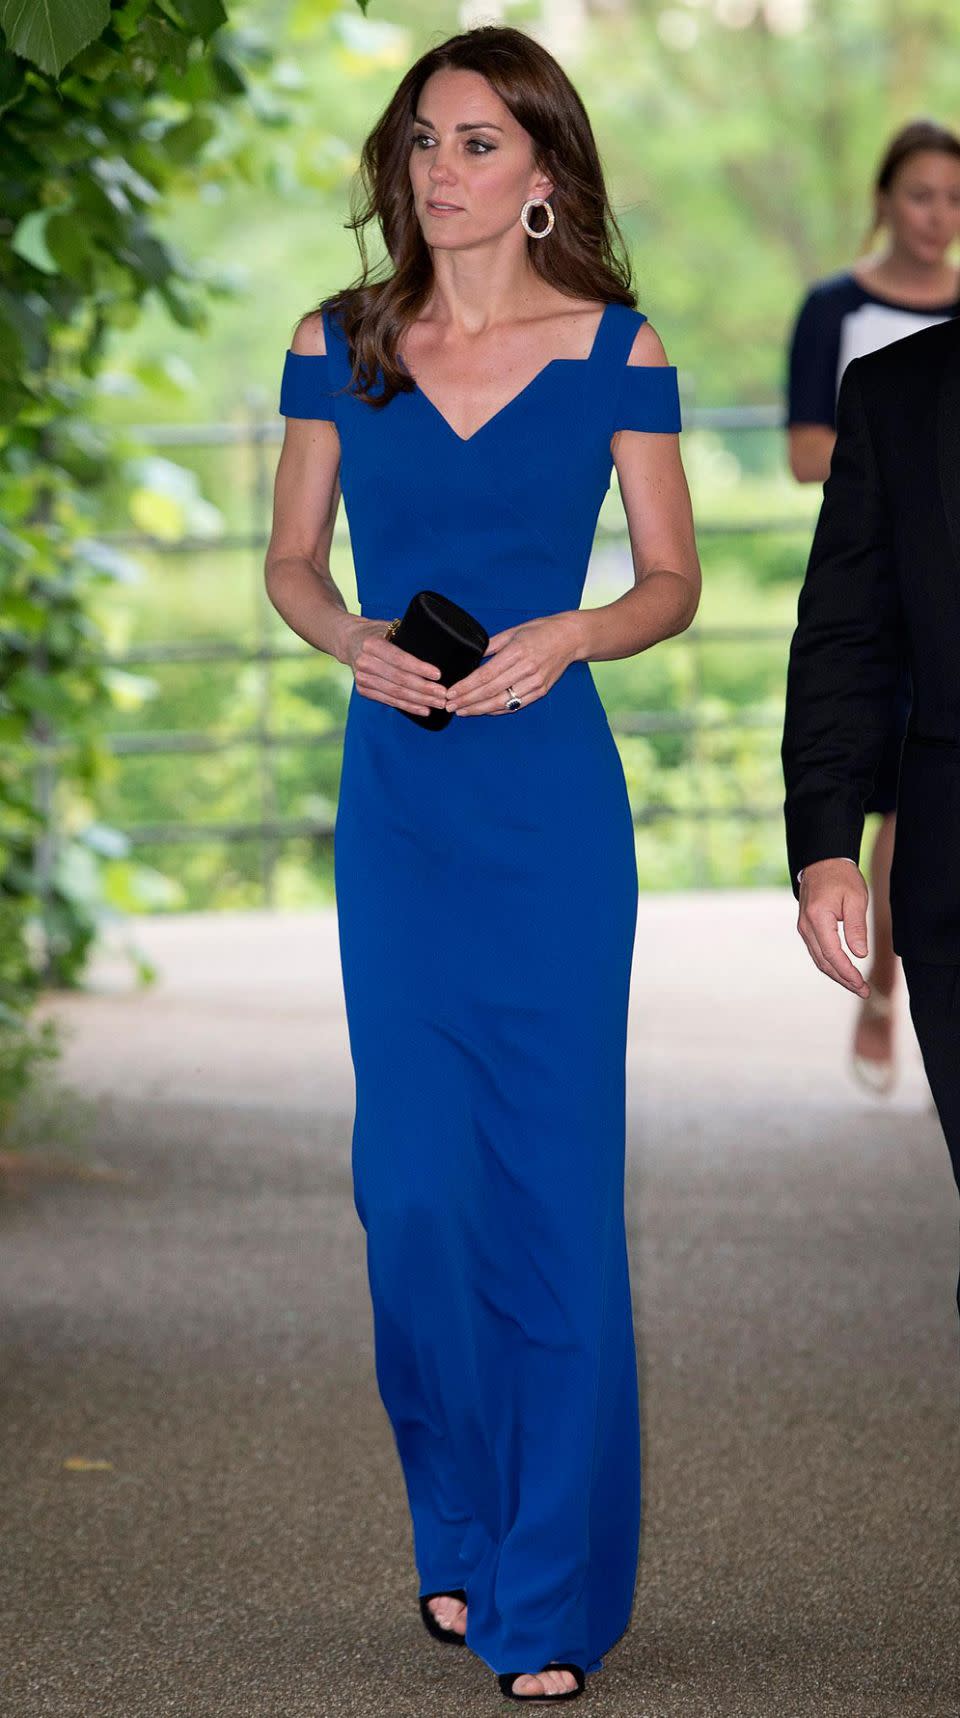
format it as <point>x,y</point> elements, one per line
<point>199,1331</point>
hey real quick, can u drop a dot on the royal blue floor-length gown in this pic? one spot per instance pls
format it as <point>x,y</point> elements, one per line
<point>486,893</point>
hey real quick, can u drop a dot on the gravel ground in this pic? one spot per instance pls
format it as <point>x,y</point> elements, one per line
<point>198,1329</point>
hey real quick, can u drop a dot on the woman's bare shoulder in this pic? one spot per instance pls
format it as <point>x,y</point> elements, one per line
<point>647,347</point>
<point>309,336</point>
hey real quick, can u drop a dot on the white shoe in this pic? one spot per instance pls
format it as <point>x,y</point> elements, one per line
<point>877,1077</point>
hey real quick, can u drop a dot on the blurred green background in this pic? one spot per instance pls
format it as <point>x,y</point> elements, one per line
<point>739,141</point>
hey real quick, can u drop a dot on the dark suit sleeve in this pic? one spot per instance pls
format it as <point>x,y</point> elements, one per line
<point>847,652</point>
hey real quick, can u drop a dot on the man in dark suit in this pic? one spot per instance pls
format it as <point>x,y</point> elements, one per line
<point>883,586</point>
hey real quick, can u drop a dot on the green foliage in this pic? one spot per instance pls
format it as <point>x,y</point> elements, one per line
<point>740,138</point>
<point>22,1046</point>
<point>106,113</point>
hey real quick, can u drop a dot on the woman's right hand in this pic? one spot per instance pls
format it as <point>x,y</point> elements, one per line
<point>389,675</point>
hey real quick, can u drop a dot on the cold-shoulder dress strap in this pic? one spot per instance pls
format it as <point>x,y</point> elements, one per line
<point>311,380</point>
<point>645,396</point>
<point>614,336</point>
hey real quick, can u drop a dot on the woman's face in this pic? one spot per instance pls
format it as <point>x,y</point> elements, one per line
<point>469,153</point>
<point>922,206</point>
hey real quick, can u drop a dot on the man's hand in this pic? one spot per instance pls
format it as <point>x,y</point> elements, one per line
<point>833,892</point>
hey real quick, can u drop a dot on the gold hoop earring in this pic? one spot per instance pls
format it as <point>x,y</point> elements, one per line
<point>536,203</point>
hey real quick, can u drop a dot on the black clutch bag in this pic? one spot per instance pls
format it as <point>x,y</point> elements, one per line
<point>437,630</point>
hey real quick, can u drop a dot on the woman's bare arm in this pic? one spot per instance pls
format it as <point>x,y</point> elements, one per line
<point>299,583</point>
<point>306,497</point>
<point>810,448</point>
<point>656,500</point>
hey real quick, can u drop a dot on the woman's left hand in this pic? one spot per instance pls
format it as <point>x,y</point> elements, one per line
<point>530,657</point>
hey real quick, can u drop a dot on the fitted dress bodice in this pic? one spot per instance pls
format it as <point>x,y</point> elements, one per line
<point>505,518</point>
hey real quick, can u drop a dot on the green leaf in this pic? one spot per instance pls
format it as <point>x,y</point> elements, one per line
<point>109,561</point>
<point>188,312</point>
<point>69,243</point>
<point>20,799</point>
<point>109,843</point>
<point>128,691</point>
<point>158,45</point>
<point>184,142</point>
<point>98,62</point>
<point>11,80</point>
<point>227,76</point>
<point>130,886</point>
<point>12,728</point>
<point>11,351</point>
<point>147,255</point>
<point>126,20</point>
<point>26,324</point>
<point>76,874</point>
<point>51,32</point>
<point>40,694</point>
<point>112,171</point>
<point>30,240</point>
<point>167,374</point>
<point>202,17</point>
<point>24,616</point>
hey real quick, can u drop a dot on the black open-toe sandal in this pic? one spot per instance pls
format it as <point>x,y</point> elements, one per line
<point>507,1678</point>
<point>430,1622</point>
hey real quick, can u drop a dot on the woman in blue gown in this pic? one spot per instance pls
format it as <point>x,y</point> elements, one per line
<point>485,872</point>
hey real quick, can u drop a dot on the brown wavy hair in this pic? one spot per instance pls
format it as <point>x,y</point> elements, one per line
<point>916,138</point>
<point>585,255</point>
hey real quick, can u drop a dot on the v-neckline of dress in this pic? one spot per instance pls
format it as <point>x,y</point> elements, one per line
<point>466,440</point>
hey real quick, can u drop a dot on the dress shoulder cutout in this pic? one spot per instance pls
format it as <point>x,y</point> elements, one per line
<point>646,396</point>
<point>308,383</point>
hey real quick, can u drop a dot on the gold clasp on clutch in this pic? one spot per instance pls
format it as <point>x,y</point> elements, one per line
<point>391,629</point>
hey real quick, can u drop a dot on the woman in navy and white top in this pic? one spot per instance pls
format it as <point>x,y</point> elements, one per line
<point>909,284</point>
